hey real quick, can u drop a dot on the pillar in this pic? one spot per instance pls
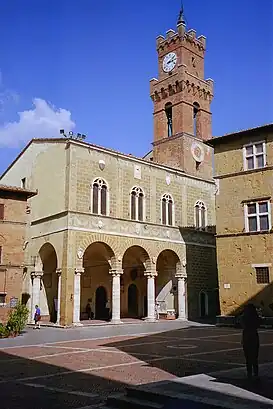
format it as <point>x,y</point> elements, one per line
<point>116,296</point>
<point>77,296</point>
<point>150,296</point>
<point>35,296</point>
<point>181,294</point>
<point>59,274</point>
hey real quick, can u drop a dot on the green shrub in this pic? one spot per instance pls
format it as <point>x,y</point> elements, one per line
<point>17,320</point>
<point>3,331</point>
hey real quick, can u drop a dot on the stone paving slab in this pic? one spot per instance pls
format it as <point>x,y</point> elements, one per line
<point>112,363</point>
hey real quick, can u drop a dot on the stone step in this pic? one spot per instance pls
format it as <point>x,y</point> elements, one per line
<point>170,399</point>
<point>122,401</point>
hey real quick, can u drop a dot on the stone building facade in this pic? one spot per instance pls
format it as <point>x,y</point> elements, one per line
<point>244,171</point>
<point>112,227</point>
<point>13,223</point>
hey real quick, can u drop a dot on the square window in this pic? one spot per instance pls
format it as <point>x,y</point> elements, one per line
<point>249,150</point>
<point>263,207</point>
<point>260,161</point>
<point>264,223</point>
<point>259,148</point>
<point>250,163</point>
<point>252,223</point>
<point>254,156</point>
<point>251,208</point>
<point>257,216</point>
<point>2,298</point>
<point>262,275</point>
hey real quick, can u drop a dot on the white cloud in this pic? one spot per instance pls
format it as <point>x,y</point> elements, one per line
<point>43,121</point>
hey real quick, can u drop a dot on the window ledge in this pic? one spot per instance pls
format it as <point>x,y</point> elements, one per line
<point>245,233</point>
<point>243,172</point>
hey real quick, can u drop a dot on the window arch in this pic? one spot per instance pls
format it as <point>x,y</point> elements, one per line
<point>196,119</point>
<point>167,210</point>
<point>169,116</point>
<point>137,204</point>
<point>100,197</point>
<point>200,215</point>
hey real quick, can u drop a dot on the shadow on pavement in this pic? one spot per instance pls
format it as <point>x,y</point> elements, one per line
<point>31,383</point>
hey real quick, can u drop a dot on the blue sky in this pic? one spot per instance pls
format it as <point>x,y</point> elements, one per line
<point>86,65</point>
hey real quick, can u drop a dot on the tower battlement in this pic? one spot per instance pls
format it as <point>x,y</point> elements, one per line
<point>181,35</point>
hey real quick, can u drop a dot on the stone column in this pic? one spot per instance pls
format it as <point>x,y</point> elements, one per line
<point>181,294</point>
<point>59,274</point>
<point>150,296</point>
<point>77,296</point>
<point>35,296</point>
<point>116,296</point>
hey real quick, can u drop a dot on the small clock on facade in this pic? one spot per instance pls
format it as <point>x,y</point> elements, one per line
<point>169,62</point>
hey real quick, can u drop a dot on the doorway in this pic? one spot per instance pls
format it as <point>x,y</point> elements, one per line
<point>133,301</point>
<point>203,304</point>
<point>100,304</point>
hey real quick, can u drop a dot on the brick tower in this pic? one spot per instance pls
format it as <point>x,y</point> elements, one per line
<point>182,98</point>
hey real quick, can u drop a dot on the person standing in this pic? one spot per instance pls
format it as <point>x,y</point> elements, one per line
<point>108,309</point>
<point>250,340</point>
<point>89,311</point>
<point>37,317</point>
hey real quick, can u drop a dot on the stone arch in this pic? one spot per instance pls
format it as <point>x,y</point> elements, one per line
<point>142,253</point>
<point>168,264</point>
<point>135,262</point>
<point>109,243</point>
<point>103,248</point>
<point>98,259</point>
<point>47,259</point>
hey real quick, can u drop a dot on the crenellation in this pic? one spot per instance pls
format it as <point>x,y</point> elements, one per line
<point>170,33</point>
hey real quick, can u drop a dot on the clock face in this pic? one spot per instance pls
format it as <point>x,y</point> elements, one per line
<point>169,62</point>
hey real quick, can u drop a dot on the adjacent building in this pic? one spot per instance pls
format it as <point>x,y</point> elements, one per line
<point>244,174</point>
<point>13,223</point>
<point>119,232</point>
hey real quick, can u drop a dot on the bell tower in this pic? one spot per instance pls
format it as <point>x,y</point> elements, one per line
<point>182,98</point>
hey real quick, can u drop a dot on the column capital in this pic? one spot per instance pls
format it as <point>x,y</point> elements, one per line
<point>150,273</point>
<point>79,270</point>
<point>181,276</point>
<point>58,271</point>
<point>37,274</point>
<point>115,273</point>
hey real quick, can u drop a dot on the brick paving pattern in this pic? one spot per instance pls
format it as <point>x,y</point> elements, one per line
<point>81,373</point>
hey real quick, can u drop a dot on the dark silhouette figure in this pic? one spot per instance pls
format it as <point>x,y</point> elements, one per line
<point>251,343</point>
<point>89,311</point>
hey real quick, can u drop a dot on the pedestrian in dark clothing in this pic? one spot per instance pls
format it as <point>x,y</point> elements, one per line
<point>37,317</point>
<point>89,311</point>
<point>250,341</point>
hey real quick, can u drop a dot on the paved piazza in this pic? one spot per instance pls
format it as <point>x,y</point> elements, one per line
<point>55,368</point>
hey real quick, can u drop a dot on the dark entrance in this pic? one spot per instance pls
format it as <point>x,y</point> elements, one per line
<point>203,306</point>
<point>145,306</point>
<point>101,300</point>
<point>133,301</point>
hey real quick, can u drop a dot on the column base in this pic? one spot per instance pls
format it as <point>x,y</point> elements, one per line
<point>181,319</point>
<point>115,321</point>
<point>77,324</point>
<point>150,319</point>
